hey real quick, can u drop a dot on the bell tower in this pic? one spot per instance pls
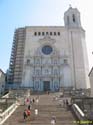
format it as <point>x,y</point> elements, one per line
<point>72,18</point>
<point>77,48</point>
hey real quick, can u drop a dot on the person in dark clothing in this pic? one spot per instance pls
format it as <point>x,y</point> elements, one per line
<point>25,115</point>
<point>33,100</point>
<point>28,107</point>
<point>67,102</point>
<point>64,103</point>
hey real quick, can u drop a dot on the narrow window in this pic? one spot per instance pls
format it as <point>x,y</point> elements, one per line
<point>46,71</point>
<point>46,33</point>
<point>50,33</point>
<point>35,33</point>
<point>55,61</point>
<point>28,61</point>
<point>55,71</point>
<point>54,33</point>
<point>37,72</point>
<point>73,16</point>
<point>39,33</point>
<point>43,34</point>
<point>65,61</point>
<point>36,85</point>
<point>38,61</point>
<point>58,33</point>
<point>68,20</point>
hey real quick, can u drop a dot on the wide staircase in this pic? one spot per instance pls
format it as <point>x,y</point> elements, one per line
<point>47,108</point>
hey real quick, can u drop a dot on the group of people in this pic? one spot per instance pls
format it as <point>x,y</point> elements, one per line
<point>27,112</point>
<point>28,102</point>
<point>64,103</point>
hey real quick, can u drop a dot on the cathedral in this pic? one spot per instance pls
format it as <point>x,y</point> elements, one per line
<point>49,58</point>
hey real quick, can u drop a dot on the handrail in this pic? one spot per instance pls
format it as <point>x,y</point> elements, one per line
<point>78,112</point>
<point>5,96</point>
<point>7,113</point>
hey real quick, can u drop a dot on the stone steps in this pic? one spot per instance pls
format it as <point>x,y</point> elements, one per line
<point>47,108</point>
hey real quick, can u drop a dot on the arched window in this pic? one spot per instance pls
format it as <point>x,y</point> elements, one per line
<point>39,33</point>
<point>28,61</point>
<point>43,33</point>
<point>65,61</point>
<point>37,72</point>
<point>55,61</point>
<point>36,85</point>
<point>56,85</point>
<point>73,16</point>
<point>50,33</point>
<point>55,71</point>
<point>54,33</point>
<point>46,71</point>
<point>58,33</point>
<point>35,33</point>
<point>37,61</point>
<point>46,33</point>
<point>68,20</point>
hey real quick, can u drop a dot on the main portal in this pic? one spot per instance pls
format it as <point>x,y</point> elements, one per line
<point>46,85</point>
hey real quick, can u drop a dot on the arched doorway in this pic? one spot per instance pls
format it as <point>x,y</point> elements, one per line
<point>46,85</point>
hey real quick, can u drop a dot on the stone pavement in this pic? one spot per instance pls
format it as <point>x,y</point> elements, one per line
<point>47,108</point>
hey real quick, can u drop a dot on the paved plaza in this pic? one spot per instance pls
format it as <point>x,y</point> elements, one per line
<point>47,108</point>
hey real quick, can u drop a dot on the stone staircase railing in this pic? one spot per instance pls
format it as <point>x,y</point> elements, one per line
<point>81,117</point>
<point>7,113</point>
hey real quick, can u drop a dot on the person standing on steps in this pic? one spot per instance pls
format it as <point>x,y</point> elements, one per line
<point>33,100</point>
<point>67,104</point>
<point>25,114</point>
<point>29,107</point>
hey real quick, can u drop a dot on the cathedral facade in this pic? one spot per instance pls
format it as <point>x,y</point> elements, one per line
<point>47,58</point>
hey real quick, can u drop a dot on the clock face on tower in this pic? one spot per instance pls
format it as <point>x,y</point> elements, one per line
<point>47,49</point>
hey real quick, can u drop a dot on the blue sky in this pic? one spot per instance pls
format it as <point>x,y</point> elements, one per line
<point>20,13</point>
